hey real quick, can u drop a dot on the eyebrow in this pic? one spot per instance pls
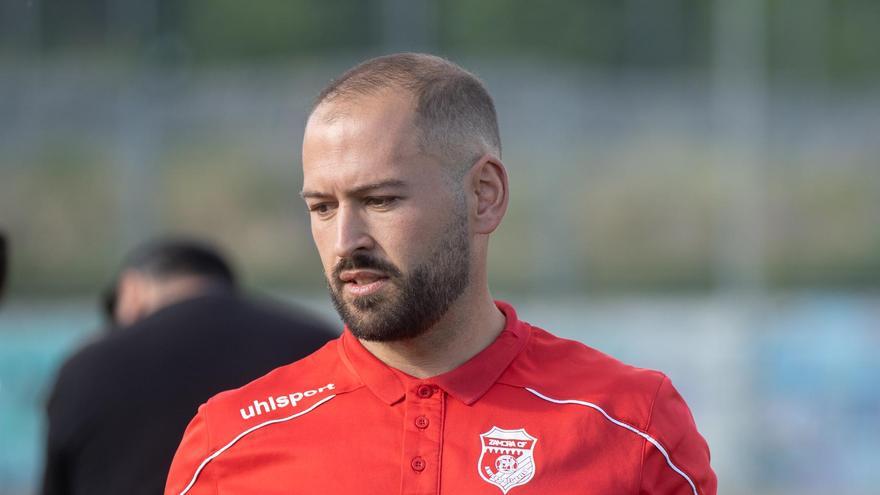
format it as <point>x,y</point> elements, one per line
<point>357,191</point>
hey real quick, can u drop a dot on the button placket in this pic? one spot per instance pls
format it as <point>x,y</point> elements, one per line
<point>422,422</point>
<point>425,391</point>
<point>423,419</point>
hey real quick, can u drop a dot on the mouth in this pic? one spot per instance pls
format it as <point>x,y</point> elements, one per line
<point>362,282</point>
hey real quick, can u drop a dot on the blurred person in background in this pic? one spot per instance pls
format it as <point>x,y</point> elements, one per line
<point>107,306</point>
<point>3,262</point>
<point>434,386</point>
<point>184,332</point>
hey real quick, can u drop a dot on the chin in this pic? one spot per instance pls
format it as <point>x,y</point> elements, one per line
<point>373,335</point>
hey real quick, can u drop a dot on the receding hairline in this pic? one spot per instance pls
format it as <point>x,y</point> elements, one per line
<point>396,70</point>
<point>451,106</point>
<point>332,110</point>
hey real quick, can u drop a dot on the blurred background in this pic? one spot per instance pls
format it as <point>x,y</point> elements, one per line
<point>695,188</point>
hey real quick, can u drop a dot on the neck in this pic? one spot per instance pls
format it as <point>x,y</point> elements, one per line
<point>470,325</point>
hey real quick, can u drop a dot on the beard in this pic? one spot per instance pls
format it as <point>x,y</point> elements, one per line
<point>413,302</point>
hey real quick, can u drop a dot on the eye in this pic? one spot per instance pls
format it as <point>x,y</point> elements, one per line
<point>381,202</point>
<point>321,209</point>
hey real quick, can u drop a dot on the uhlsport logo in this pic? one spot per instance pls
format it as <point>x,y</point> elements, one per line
<point>507,460</point>
<point>280,401</point>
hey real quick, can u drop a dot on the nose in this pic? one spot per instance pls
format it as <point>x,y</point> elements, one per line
<point>352,233</point>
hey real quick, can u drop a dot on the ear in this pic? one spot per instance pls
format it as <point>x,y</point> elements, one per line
<point>131,298</point>
<point>489,190</point>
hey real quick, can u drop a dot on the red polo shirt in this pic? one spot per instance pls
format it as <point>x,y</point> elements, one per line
<point>530,414</point>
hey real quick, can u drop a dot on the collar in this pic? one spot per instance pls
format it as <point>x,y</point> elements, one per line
<point>467,383</point>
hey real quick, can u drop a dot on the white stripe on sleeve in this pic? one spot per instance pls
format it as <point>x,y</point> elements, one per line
<point>622,425</point>
<point>245,433</point>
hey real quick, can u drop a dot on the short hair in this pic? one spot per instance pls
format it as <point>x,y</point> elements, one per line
<point>168,258</point>
<point>454,111</point>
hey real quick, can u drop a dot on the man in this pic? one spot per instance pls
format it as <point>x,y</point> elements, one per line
<point>121,404</point>
<point>433,387</point>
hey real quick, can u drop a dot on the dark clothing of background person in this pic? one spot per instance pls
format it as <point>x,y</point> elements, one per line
<point>4,260</point>
<point>120,405</point>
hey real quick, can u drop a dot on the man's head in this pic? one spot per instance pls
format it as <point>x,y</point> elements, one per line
<point>163,272</point>
<point>451,111</point>
<point>403,179</point>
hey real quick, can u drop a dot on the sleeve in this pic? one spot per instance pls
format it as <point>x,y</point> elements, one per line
<point>675,459</point>
<point>188,474</point>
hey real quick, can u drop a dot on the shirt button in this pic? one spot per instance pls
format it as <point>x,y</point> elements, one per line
<point>425,391</point>
<point>418,464</point>
<point>422,422</point>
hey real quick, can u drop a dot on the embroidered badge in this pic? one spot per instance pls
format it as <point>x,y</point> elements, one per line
<point>507,460</point>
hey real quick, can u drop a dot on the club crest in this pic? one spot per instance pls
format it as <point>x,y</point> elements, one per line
<point>507,460</point>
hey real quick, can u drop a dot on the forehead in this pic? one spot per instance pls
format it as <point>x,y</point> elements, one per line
<point>366,139</point>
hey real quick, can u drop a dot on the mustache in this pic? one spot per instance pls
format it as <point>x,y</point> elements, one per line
<point>364,261</point>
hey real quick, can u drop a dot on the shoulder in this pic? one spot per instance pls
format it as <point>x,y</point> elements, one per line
<point>565,371</point>
<point>97,354</point>
<point>560,365</point>
<point>262,314</point>
<point>584,384</point>
<point>232,317</point>
<point>283,392</point>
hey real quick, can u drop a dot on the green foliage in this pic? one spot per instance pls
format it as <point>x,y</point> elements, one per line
<point>566,29</point>
<point>810,40</point>
<point>854,39</point>
<point>604,33</point>
<point>232,29</point>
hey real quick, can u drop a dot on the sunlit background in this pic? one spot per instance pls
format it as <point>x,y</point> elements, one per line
<point>695,188</point>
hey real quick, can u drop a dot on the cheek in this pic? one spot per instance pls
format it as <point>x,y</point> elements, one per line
<point>323,239</point>
<point>407,240</point>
